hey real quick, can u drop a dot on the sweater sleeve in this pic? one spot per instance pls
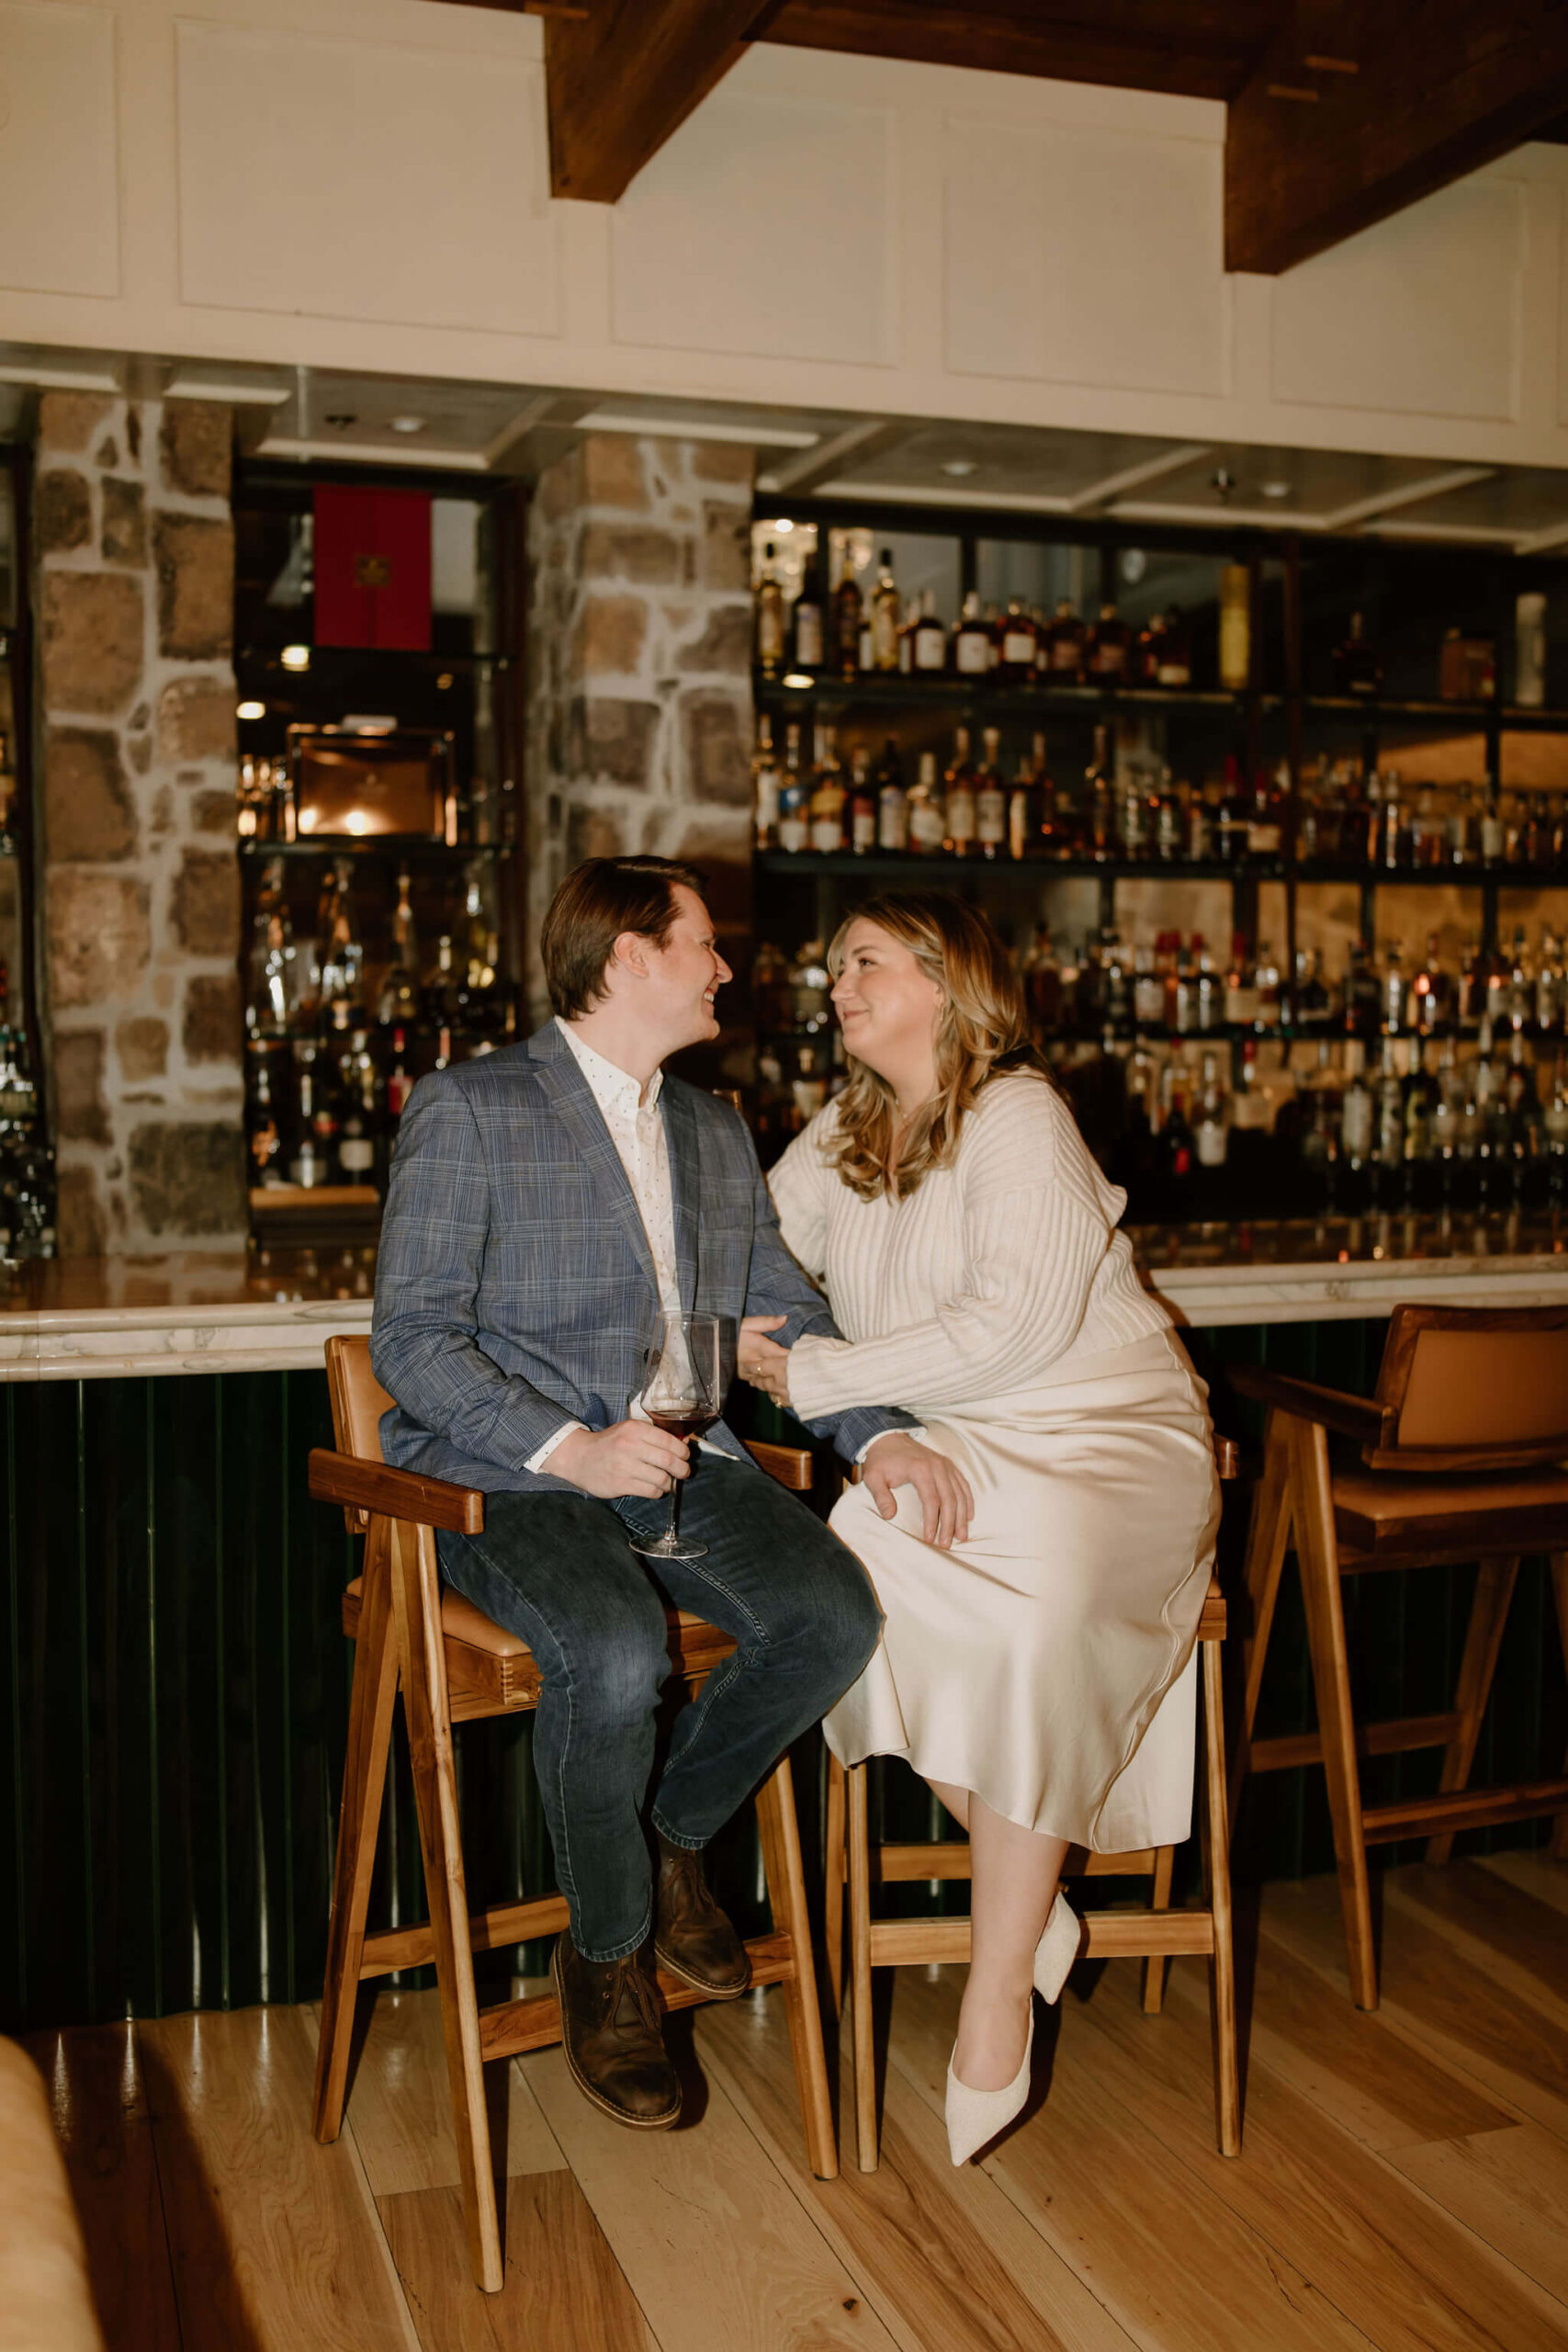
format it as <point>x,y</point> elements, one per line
<point>799,1183</point>
<point>1037,1221</point>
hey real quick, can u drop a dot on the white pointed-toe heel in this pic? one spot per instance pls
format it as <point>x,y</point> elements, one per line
<point>974,2116</point>
<point>1058,1948</point>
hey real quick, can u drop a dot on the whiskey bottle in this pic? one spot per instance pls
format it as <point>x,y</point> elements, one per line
<point>884,618</point>
<point>808,634</point>
<point>770,617</point>
<point>794,797</point>
<point>1235,627</point>
<point>959,783</point>
<point>399,1086</point>
<point>827,795</point>
<point>892,801</point>
<point>1105,649</point>
<point>1066,646</point>
<point>990,799</point>
<point>1023,817</point>
<point>972,641</point>
<point>264,1133</point>
<point>1173,666</point>
<point>927,809</point>
<point>929,655</point>
<point>1019,651</point>
<point>765,787</point>
<point>847,622</point>
<point>398,998</point>
<point>1356,667</point>
<point>863,804</point>
<point>440,1001</point>
<point>356,1151</point>
<point>1099,800</point>
<point>270,999</point>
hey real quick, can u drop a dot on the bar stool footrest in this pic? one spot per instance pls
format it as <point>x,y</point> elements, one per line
<point>513,2026</point>
<point>1469,1809</point>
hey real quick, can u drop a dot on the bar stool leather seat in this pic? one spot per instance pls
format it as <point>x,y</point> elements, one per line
<point>1385,1512</point>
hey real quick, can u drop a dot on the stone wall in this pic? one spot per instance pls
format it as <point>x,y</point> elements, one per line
<point>139,896</point>
<point>639,626</point>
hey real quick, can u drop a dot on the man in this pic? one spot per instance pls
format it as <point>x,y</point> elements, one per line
<point>546,1203</point>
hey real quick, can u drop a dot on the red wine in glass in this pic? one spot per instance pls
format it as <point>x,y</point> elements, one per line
<point>682,1392</point>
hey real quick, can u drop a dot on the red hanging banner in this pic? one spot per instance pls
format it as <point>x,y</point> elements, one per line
<point>372,564</point>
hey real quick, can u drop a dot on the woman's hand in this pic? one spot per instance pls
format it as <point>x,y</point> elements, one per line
<point>761,1359</point>
<point>946,1498</point>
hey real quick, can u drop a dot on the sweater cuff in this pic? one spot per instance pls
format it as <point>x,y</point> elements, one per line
<point>821,1377</point>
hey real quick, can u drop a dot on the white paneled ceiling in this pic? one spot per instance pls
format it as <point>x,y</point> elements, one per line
<point>477,428</point>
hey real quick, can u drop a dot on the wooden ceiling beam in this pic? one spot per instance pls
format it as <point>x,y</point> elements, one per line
<point>1203,49</point>
<point>621,78</point>
<point>1361,106</point>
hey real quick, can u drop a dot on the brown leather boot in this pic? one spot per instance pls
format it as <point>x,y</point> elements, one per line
<point>611,2035</point>
<point>690,1934</point>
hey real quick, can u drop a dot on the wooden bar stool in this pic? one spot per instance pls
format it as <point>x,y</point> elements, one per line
<point>453,1665</point>
<point>1155,1934</point>
<point>1457,1452</point>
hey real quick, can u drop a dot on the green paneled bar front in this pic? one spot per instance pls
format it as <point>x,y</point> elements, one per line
<point>175,1679</point>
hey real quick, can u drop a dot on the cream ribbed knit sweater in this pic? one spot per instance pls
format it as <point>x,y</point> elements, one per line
<point>999,1274</point>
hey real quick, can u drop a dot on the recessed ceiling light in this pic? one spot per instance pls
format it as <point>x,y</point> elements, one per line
<point>296,657</point>
<point>783,524</point>
<point>406,423</point>
<point>958,467</point>
<point>250,710</point>
<point>1275,489</point>
<point>800,678</point>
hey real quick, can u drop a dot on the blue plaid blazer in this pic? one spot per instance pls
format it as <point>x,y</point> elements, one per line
<point>515,1286</point>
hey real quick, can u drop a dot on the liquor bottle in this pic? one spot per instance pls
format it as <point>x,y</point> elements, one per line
<point>1025,810</point>
<point>270,998</point>
<point>1394,993</point>
<point>927,808</point>
<point>827,796</point>
<point>399,1086</point>
<point>884,618</point>
<point>356,1151</point>
<point>990,799</point>
<point>1100,799</point>
<point>1548,987</point>
<point>929,648</point>
<point>892,801</point>
<point>1392,846</point>
<point>959,786</point>
<point>811,985</point>
<point>862,803</point>
<point>807,630</point>
<point>342,953</point>
<point>306,1165</point>
<point>794,797</point>
<point>1235,627</point>
<point>1356,667</point>
<point>1147,648</point>
<point>1264,820</point>
<point>848,619</point>
<point>1173,665</point>
<point>1212,1134</point>
<point>1066,646</point>
<point>771,634</point>
<point>1164,822</point>
<point>971,641</point>
<point>1106,650</point>
<point>1043,985</point>
<point>1235,823</point>
<point>1358,1129</point>
<point>1016,665</point>
<point>439,1004</point>
<point>765,787</point>
<point>264,1133</point>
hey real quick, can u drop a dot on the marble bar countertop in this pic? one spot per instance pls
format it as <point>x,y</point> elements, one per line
<point>270,1309</point>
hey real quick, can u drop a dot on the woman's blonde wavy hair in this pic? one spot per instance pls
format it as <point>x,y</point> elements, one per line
<point>982,1033</point>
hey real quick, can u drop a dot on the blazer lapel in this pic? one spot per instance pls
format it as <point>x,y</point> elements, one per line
<point>685,1186</point>
<point>573,1098</point>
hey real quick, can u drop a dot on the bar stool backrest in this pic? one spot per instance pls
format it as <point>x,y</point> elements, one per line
<point>1473,1388</point>
<point>358,1402</point>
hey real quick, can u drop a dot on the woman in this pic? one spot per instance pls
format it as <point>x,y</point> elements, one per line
<point>1038,1671</point>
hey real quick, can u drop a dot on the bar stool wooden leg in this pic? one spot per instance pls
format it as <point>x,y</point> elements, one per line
<point>1215,1837</point>
<point>1318,1554</point>
<point>370,1705</point>
<point>860,1970</point>
<point>417,1603</point>
<point>833,1874</point>
<point>779,1830</point>
<point>1159,1900</point>
<point>1268,1534</point>
<point>1559,1846</point>
<point>1483,1638</point>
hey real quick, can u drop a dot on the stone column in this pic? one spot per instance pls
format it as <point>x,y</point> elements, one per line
<point>140,895</point>
<point>640,728</point>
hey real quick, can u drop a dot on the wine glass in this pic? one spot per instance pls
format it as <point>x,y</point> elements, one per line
<point>683,1381</point>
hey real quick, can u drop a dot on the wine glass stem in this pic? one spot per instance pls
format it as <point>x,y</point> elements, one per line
<point>674,1528</point>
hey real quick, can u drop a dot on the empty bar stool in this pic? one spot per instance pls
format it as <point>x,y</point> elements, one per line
<point>1457,1454</point>
<point>1155,1933</point>
<point>453,1665</point>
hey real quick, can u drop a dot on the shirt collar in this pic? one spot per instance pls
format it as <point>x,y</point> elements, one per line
<point>614,1089</point>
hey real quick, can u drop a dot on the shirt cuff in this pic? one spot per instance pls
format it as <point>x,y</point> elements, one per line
<point>916,1431</point>
<point>538,1461</point>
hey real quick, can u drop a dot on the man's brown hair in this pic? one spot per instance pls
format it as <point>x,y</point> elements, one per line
<point>597,902</point>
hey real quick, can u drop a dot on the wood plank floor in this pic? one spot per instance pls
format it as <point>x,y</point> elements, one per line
<point>1402,2185</point>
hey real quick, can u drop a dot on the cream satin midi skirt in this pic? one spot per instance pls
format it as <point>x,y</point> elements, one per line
<point>1048,1663</point>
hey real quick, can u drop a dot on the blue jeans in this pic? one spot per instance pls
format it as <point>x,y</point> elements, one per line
<point>556,1570</point>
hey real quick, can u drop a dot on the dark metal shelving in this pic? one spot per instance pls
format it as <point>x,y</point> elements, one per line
<point>412,848</point>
